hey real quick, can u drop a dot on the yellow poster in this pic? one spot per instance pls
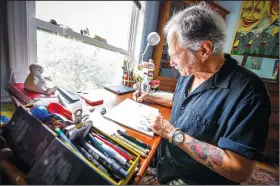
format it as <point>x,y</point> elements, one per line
<point>257,30</point>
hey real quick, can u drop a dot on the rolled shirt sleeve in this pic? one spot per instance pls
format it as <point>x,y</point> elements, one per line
<point>248,128</point>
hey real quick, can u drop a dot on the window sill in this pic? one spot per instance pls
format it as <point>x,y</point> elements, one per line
<point>68,32</point>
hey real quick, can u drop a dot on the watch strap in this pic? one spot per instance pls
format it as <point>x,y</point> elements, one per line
<point>172,135</point>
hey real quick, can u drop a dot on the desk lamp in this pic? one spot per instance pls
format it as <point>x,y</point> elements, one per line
<point>153,39</point>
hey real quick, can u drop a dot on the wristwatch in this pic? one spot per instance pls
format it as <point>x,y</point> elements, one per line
<point>178,137</point>
<point>172,134</point>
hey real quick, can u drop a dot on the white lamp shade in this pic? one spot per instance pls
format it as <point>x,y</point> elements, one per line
<point>153,39</point>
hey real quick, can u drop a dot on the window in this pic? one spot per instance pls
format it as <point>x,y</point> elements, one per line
<point>79,61</point>
<point>108,19</point>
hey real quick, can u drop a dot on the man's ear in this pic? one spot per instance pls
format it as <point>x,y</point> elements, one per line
<point>206,49</point>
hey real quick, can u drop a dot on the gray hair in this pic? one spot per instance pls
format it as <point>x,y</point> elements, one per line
<point>197,23</point>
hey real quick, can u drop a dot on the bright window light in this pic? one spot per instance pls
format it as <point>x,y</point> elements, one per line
<point>74,63</point>
<point>108,19</point>
<point>77,65</point>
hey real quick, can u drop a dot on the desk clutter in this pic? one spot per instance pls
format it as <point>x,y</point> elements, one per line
<point>62,142</point>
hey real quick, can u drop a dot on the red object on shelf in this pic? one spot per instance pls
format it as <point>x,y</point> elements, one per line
<point>32,94</point>
<point>24,95</point>
<point>59,109</point>
<point>90,102</point>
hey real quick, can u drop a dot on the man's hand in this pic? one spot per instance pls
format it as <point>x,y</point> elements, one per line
<point>159,99</point>
<point>140,96</point>
<point>162,127</point>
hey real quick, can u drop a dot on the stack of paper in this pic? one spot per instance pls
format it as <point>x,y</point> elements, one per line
<point>133,115</point>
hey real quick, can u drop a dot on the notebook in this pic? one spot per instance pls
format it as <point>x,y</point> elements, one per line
<point>133,115</point>
<point>25,96</point>
<point>119,89</point>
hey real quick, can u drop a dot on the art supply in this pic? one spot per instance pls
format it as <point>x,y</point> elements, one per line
<point>113,143</point>
<point>133,140</point>
<point>91,110</point>
<point>4,121</point>
<point>133,144</point>
<point>133,115</point>
<point>92,160</point>
<point>79,117</point>
<point>69,95</point>
<point>57,121</point>
<point>80,132</point>
<point>61,134</point>
<point>62,100</point>
<point>108,150</point>
<point>120,140</point>
<point>40,112</point>
<point>57,108</point>
<point>116,145</point>
<point>138,92</point>
<point>91,101</point>
<point>125,155</point>
<point>30,105</point>
<point>103,111</point>
<point>115,167</point>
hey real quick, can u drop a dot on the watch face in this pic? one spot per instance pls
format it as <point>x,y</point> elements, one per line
<point>179,137</point>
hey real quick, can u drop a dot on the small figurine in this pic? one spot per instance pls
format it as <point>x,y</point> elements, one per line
<point>36,82</point>
<point>145,84</point>
<point>154,84</point>
<point>85,32</point>
<point>100,38</point>
<point>52,21</point>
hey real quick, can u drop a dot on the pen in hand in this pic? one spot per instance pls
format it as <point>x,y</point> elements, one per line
<point>138,92</point>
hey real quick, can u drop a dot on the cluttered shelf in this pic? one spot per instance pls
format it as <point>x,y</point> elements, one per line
<point>110,101</point>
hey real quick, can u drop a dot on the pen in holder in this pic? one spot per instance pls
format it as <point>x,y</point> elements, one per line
<point>127,78</point>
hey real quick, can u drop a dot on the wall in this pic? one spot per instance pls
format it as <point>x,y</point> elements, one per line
<point>151,21</point>
<point>4,49</point>
<point>231,20</point>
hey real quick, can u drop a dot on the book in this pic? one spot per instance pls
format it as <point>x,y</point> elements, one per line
<point>24,95</point>
<point>133,115</point>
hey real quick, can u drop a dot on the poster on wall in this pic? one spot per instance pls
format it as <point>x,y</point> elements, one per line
<point>257,30</point>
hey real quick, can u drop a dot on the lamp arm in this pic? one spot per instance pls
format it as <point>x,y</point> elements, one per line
<point>145,51</point>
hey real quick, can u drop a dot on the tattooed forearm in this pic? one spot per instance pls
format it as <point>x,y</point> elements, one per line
<point>205,151</point>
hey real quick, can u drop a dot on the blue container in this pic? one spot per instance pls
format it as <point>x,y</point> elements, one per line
<point>40,112</point>
<point>4,119</point>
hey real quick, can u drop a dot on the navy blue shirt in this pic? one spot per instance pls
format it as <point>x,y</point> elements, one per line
<point>230,110</point>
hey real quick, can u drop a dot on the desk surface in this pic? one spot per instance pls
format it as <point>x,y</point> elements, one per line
<point>110,101</point>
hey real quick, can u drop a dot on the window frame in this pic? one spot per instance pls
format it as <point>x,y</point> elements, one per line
<point>34,23</point>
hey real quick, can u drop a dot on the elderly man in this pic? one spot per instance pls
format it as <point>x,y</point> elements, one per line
<point>220,111</point>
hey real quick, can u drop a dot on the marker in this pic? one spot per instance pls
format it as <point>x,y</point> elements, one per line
<point>120,151</point>
<point>114,154</point>
<point>120,140</point>
<point>133,144</point>
<point>91,159</point>
<point>60,133</point>
<point>114,166</point>
<point>133,139</point>
<point>107,149</point>
<point>116,144</point>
